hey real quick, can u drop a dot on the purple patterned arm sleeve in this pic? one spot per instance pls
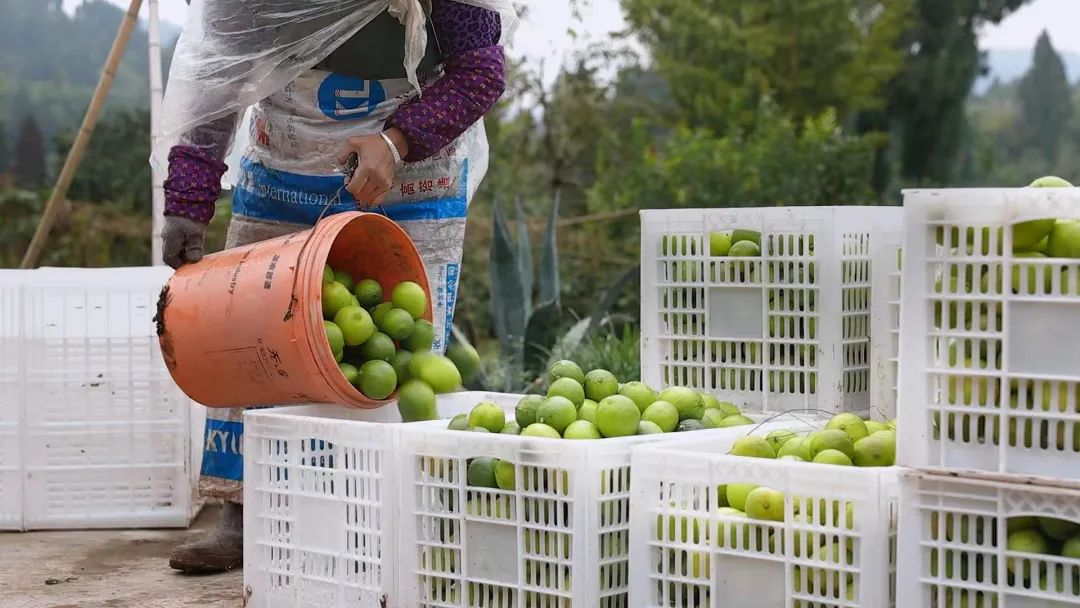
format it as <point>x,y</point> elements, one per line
<point>195,169</point>
<point>474,79</point>
<point>194,183</point>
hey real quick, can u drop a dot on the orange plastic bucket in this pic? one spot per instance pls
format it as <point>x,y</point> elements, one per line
<point>244,327</point>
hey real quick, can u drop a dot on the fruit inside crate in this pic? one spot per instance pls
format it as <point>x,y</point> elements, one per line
<point>769,308</point>
<point>994,377</point>
<point>988,543</point>
<point>718,523</point>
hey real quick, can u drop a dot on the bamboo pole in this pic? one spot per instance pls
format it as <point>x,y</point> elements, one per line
<point>82,138</point>
<point>157,177</point>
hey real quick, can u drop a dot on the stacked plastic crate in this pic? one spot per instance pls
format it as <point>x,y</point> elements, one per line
<point>777,322</point>
<point>990,398</point>
<point>93,432</point>
<point>777,310</point>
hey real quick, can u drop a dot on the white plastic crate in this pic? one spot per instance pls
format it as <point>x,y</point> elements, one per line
<point>106,439</point>
<point>790,329</point>
<point>991,370</point>
<point>11,483</point>
<point>321,503</point>
<point>885,328</point>
<point>953,550</point>
<point>561,538</point>
<point>686,553</point>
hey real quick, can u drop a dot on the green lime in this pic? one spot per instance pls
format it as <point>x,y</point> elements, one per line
<point>504,475</point>
<point>729,409</point>
<point>356,325</point>
<point>690,424</point>
<point>736,420</point>
<point>459,423</point>
<point>369,293</point>
<point>511,428</point>
<point>835,457</point>
<point>587,411</point>
<point>791,447</point>
<point>745,249</point>
<point>334,337</point>
<point>617,416</point>
<point>581,429</point>
<point>464,357</point>
<point>540,430</point>
<point>600,383</point>
<point>566,369</point>
<point>344,278</point>
<point>488,415</point>
<point>350,372</point>
<point>422,336</point>
<point>557,412</point>
<point>663,414</point>
<point>481,473</point>
<point>646,427</point>
<point>400,361</point>
<point>709,402</point>
<point>378,347</point>
<point>640,393</point>
<point>440,373</point>
<point>398,324</point>
<point>334,297</point>
<point>411,297</point>
<point>779,437</point>
<point>478,429</point>
<point>569,388</point>
<point>829,439</point>
<point>712,418</point>
<point>525,412</point>
<point>380,311</point>
<point>377,379</point>
<point>327,274</point>
<point>687,401</point>
<point>719,243</point>
<point>416,402</point>
<point>741,234</point>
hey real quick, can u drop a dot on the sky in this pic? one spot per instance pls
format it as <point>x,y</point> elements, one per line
<point>543,36</point>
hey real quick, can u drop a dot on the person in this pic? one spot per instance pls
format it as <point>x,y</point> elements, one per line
<point>420,153</point>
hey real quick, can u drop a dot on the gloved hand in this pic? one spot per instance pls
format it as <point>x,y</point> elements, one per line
<point>182,241</point>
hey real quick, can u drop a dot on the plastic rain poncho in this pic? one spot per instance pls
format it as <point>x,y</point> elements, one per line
<point>235,53</point>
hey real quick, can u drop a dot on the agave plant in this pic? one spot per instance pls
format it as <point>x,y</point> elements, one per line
<point>530,330</point>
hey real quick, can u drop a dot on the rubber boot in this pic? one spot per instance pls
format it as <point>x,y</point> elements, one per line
<point>219,551</point>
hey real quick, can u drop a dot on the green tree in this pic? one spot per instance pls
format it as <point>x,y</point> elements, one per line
<point>722,58</point>
<point>115,167</point>
<point>926,99</point>
<point>1045,100</point>
<point>29,167</point>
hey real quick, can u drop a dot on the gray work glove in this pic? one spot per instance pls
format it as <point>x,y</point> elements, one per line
<point>182,241</point>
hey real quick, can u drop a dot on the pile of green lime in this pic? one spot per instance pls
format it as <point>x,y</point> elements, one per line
<point>1032,241</point>
<point>383,344</point>
<point>1035,535</point>
<point>846,440</point>
<point>597,406</point>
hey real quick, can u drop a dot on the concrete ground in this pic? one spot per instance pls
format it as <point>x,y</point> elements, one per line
<point>108,569</point>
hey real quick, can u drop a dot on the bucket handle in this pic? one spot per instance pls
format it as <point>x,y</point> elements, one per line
<point>347,170</point>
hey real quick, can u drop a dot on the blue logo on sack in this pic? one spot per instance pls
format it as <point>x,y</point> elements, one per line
<point>223,455</point>
<point>348,98</point>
